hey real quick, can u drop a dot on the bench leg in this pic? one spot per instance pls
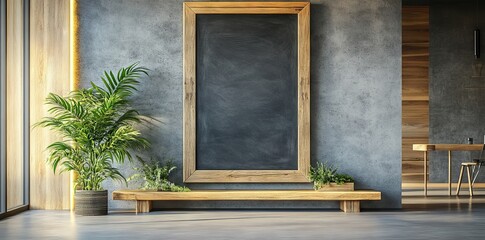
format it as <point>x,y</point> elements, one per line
<point>143,206</point>
<point>350,206</point>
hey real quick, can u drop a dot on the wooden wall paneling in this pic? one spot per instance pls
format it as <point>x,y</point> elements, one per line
<point>416,74</point>
<point>415,52</point>
<point>412,161</point>
<point>415,57</point>
<point>416,91</point>
<point>413,178</point>
<point>415,119</point>
<point>50,64</point>
<point>415,85</point>
<point>410,166</point>
<point>408,153</point>
<point>415,24</point>
<point>413,49</point>
<point>14,104</point>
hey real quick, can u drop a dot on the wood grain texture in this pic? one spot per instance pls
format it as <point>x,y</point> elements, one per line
<point>191,175</point>
<point>415,52</point>
<point>415,120</point>
<point>50,58</point>
<point>415,68</point>
<point>14,104</point>
<point>189,91</point>
<point>415,24</point>
<point>415,71</point>
<point>447,147</point>
<point>336,187</point>
<point>230,10</point>
<point>304,91</point>
<point>143,206</point>
<point>350,206</point>
<point>415,89</point>
<point>410,166</point>
<point>415,49</point>
<point>241,176</point>
<point>413,177</point>
<point>214,195</point>
<point>407,149</point>
<point>247,5</point>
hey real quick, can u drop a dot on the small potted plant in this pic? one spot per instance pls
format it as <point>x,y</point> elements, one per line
<point>155,174</point>
<point>98,129</point>
<point>326,178</point>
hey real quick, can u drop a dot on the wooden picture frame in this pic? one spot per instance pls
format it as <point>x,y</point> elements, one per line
<point>191,174</point>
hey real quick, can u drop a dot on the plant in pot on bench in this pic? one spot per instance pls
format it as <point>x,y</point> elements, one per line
<point>155,176</point>
<point>98,129</point>
<point>326,178</point>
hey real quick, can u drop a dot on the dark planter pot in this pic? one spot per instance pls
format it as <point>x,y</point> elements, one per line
<point>91,203</point>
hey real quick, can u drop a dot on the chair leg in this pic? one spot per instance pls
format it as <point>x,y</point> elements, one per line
<point>476,173</point>
<point>469,181</point>
<point>459,181</point>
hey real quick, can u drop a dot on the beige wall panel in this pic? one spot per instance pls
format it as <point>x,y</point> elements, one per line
<point>14,105</point>
<point>49,60</point>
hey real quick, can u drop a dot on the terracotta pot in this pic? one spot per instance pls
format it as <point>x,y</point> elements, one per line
<point>91,203</point>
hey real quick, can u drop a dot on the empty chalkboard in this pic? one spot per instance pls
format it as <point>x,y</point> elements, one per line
<point>247,88</point>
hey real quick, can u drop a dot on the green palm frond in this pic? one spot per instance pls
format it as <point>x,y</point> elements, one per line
<point>98,126</point>
<point>65,108</point>
<point>125,81</point>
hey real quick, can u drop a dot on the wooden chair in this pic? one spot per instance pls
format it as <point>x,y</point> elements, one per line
<point>476,164</point>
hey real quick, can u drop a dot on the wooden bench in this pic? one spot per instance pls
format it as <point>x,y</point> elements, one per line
<point>349,200</point>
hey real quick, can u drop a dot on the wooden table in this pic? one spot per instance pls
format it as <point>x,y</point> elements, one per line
<point>443,147</point>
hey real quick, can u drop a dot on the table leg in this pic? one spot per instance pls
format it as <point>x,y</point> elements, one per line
<point>425,160</point>
<point>449,173</point>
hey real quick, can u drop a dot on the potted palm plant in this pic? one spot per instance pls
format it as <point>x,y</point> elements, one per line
<point>98,129</point>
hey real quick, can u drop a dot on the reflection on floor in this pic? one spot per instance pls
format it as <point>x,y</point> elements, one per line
<point>416,224</point>
<point>438,198</point>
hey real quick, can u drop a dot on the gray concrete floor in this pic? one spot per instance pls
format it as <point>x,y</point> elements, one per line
<point>435,217</point>
<point>405,224</point>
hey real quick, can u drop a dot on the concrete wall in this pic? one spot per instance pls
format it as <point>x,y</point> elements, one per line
<point>456,99</point>
<point>355,82</point>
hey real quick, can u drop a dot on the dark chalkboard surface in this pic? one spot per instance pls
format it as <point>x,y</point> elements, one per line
<point>247,92</point>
